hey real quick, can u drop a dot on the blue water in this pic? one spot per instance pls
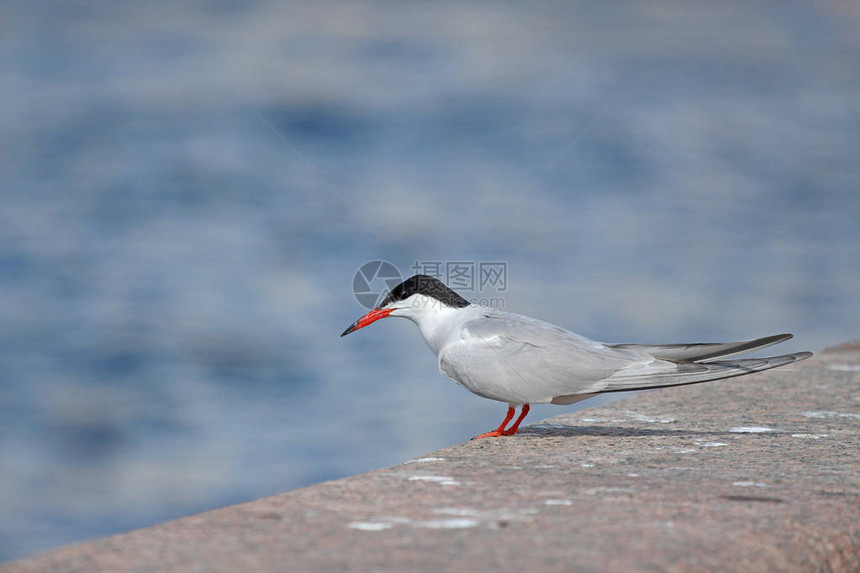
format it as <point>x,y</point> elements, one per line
<point>187,189</point>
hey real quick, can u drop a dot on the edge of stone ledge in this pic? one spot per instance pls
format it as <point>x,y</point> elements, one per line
<point>794,516</point>
<point>849,346</point>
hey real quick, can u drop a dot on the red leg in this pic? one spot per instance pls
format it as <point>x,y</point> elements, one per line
<point>498,431</point>
<point>513,429</point>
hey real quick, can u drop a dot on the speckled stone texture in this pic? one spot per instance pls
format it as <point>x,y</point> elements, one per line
<point>759,473</point>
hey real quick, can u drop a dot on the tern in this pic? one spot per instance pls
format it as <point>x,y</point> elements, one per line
<point>522,360</point>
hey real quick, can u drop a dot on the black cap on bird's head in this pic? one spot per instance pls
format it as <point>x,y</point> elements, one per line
<point>418,284</point>
<point>426,285</point>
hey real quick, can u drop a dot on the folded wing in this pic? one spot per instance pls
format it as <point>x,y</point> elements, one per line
<point>518,359</point>
<point>701,352</point>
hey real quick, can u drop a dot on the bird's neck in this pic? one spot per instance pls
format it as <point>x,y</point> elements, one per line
<point>440,326</point>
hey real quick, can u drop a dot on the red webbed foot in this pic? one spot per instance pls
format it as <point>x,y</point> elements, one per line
<point>501,431</point>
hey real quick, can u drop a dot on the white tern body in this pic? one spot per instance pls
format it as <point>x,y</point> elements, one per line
<point>521,360</point>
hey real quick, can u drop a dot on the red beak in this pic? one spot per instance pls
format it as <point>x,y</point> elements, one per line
<point>368,318</point>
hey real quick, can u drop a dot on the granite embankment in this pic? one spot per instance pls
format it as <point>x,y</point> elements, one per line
<point>759,473</point>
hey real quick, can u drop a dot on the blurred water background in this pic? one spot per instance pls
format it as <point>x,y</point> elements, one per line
<point>187,189</point>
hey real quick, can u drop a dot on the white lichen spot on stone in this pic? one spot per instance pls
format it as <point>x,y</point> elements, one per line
<point>810,436</point>
<point>370,525</point>
<point>557,502</point>
<point>751,430</point>
<point>448,523</point>
<point>749,484</point>
<point>442,480</point>
<point>844,367</point>
<point>611,490</point>
<point>827,414</point>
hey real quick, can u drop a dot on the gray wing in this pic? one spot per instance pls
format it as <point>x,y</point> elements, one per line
<point>702,352</point>
<point>694,372</point>
<point>522,360</point>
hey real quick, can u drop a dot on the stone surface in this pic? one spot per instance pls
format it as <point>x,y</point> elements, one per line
<point>759,473</point>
